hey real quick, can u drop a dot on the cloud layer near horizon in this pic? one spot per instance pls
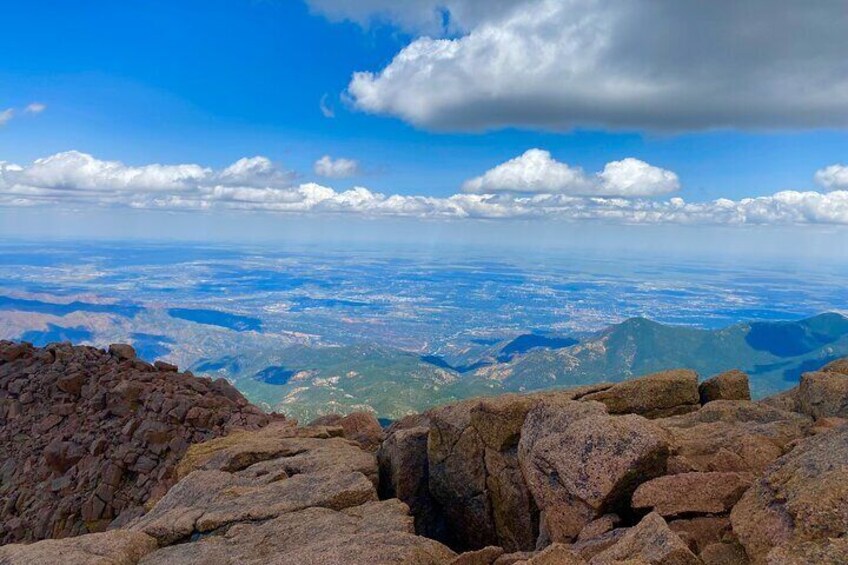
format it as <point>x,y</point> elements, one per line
<point>257,184</point>
<point>622,64</point>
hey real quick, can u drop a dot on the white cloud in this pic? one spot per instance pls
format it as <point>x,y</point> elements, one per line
<point>339,168</point>
<point>834,177</point>
<point>533,171</point>
<point>536,171</point>
<point>35,108</point>
<point>254,171</point>
<point>326,110</point>
<point>622,64</point>
<point>432,17</point>
<point>75,171</point>
<point>632,177</point>
<point>6,115</point>
<point>82,180</point>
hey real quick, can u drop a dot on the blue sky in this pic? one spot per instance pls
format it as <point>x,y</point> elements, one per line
<point>210,82</point>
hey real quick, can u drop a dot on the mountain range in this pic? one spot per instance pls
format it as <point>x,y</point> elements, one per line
<point>308,381</point>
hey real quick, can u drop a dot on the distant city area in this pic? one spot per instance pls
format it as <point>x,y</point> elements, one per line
<point>308,331</point>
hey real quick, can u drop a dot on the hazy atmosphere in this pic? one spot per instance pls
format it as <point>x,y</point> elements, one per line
<point>424,282</point>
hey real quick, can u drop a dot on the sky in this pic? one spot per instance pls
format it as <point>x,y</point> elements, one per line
<point>316,112</point>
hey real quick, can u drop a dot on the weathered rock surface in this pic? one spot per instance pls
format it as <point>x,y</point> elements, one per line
<point>581,463</point>
<point>371,533</point>
<point>724,553</point>
<point>732,385</point>
<point>651,541</point>
<point>824,552</point>
<point>692,493</point>
<point>654,396</point>
<point>802,498</point>
<point>115,547</point>
<point>838,366</point>
<point>283,495</point>
<point>276,449</point>
<point>702,531</point>
<point>558,477</point>
<point>599,527</point>
<point>361,427</point>
<point>457,477</point>
<point>89,436</point>
<point>729,435</point>
<point>474,470</point>
<point>404,474</point>
<point>486,556</point>
<point>230,487</point>
<point>555,554</point>
<point>786,400</point>
<point>823,394</point>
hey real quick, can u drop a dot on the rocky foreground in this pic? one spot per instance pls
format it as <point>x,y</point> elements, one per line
<point>658,470</point>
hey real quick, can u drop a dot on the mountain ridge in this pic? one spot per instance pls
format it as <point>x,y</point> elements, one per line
<point>392,383</point>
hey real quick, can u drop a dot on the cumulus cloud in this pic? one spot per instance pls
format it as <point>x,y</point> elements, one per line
<point>76,171</point>
<point>6,115</point>
<point>255,184</point>
<point>255,171</point>
<point>339,168</point>
<point>834,177</point>
<point>35,108</point>
<point>632,177</point>
<point>536,171</point>
<point>622,64</point>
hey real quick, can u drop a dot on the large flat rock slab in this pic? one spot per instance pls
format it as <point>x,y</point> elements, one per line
<point>115,547</point>
<point>374,533</point>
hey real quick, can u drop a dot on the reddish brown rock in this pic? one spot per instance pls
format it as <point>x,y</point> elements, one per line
<point>724,553</point>
<point>474,470</point>
<point>457,476</point>
<point>786,400</point>
<point>589,547</point>
<point>651,541</point>
<point>692,493</point>
<point>823,552</point>
<point>366,534</point>
<point>838,366</point>
<point>89,436</point>
<point>602,525</point>
<point>109,548</point>
<point>122,351</point>
<point>581,463</point>
<point>657,395</point>
<point>701,531</point>
<point>732,385</point>
<point>826,424</point>
<point>361,427</point>
<point>823,394</point>
<point>281,495</point>
<point>486,556</point>
<point>514,557</point>
<point>803,497</point>
<point>404,474</point>
<point>729,435</point>
<point>555,554</point>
